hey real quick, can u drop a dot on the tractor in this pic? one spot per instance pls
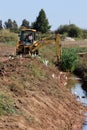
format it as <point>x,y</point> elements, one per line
<point>31,46</point>
<point>24,45</point>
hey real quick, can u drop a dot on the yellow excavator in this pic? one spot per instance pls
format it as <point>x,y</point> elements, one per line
<point>31,46</point>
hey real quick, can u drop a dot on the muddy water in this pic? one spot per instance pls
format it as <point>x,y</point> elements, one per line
<point>78,89</point>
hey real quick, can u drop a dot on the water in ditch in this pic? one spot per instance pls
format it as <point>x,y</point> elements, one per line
<point>80,90</point>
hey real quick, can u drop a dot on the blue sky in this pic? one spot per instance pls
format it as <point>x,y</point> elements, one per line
<point>58,12</point>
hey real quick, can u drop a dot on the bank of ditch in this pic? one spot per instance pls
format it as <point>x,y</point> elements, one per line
<point>78,88</point>
<point>40,99</point>
<point>38,93</point>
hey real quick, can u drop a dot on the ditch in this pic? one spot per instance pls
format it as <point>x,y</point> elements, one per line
<point>77,88</point>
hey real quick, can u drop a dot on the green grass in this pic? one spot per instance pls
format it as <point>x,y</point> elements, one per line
<point>70,60</point>
<point>6,105</point>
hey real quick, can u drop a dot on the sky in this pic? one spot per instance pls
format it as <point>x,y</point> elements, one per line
<point>58,12</point>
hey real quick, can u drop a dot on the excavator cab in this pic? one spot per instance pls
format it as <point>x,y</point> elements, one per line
<point>27,38</point>
<point>24,35</point>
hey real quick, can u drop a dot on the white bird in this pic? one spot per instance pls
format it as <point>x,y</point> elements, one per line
<point>65,83</point>
<point>9,57</point>
<point>20,55</point>
<point>53,76</point>
<point>45,62</point>
<point>61,73</point>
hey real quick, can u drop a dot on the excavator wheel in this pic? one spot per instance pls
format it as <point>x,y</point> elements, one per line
<point>20,50</point>
<point>36,52</point>
<point>26,51</point>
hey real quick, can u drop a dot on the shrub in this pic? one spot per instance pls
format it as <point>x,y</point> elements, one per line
<point>69,59</point>
<point>71,30</point>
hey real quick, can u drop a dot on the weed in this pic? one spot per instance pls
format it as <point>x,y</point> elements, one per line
<point>17,88</point>
<point>30,119</point>
<point>6,105</point>
<point>37,71</point>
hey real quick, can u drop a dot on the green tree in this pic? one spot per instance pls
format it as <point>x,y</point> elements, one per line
<point>63,29</point>
<point>9,24</point>
<point>41,24</point>
<point>1,25</point>
<point>25,23</point>
<point>15,27</point>
<point>74,31</point>
<point>71,30</point>
<point>84,33</point>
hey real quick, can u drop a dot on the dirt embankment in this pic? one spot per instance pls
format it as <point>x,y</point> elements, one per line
<point>39,96</point>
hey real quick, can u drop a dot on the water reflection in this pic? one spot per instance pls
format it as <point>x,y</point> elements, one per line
<point>80,90</point>
<point>80,93</point>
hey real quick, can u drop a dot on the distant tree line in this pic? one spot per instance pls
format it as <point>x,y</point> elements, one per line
<point>41,24</point>
<point>72,31</point>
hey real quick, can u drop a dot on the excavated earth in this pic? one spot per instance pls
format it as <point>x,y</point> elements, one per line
<point>40,99</point>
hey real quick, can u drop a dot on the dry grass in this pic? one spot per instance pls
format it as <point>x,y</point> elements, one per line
<point>79,43</point>
<point>7,36</point>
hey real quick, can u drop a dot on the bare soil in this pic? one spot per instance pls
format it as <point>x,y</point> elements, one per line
<point>41,100</point>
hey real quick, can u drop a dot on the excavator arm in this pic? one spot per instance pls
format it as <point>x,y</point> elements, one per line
<point>45,41</point>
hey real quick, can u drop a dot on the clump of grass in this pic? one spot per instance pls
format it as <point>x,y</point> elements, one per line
<point>30,119</point>
<point>6,105</point>
<point>37,71</point>
<point>17,88</point>
<point>7,36</point>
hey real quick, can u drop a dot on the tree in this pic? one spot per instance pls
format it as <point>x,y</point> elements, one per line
<point>74,31</point>
<point>25,23</point>
<point>70,30</point>
<point>62,29</point>
<point>41,24</point>
<point>84,33</point>
<point>1,25</point>
<point>15,26</point>
<point>9,24</point>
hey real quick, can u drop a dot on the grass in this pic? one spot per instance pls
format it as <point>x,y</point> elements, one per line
<point>6,105</point>
<point>37,71</point>
<point>48,52</point>
<point>70,59</point>
<point>11,43</point>
<point>6,36</point>
<point>17,87</point>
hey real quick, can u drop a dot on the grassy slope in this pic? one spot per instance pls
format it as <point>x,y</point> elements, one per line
<point>36,98</point>
<point>40,99</point>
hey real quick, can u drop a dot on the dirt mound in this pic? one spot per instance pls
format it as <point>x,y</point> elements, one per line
<point>35,97</point>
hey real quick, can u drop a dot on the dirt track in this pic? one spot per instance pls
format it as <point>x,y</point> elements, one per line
<point>40,98</point>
